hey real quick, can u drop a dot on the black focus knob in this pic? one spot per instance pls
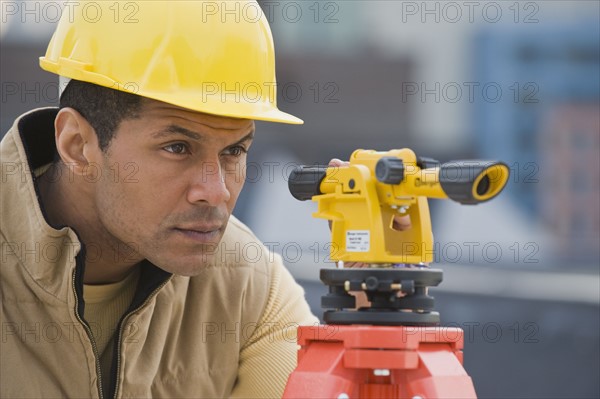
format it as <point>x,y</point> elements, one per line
<point>389,170</point>
<point>304,181</point>
<point>427,163</point>
<point>371,283</point>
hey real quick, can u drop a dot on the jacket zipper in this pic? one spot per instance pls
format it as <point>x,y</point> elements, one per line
<point>123,323</point>
<point>90,336</point>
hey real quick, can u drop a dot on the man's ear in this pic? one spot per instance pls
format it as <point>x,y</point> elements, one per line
<point>76,140</point>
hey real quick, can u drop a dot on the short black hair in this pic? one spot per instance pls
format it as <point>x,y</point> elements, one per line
<point>102,107</point>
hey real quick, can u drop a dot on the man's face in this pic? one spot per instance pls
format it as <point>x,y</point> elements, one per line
<point>170,180</point>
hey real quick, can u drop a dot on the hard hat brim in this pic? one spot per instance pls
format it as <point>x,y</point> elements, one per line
<point>189,99</point>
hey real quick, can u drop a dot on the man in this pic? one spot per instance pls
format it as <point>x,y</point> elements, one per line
<point>123,272</point>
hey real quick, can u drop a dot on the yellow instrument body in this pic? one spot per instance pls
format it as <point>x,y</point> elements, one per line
<point>362,209</point>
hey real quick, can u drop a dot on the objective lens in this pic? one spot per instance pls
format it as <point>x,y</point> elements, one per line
<point>483,186</point>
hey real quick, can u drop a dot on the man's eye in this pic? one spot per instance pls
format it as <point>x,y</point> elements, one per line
<point>177,148</point>
<point>236,151</point>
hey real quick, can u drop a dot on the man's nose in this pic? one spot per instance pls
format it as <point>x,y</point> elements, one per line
<point>208,185</point>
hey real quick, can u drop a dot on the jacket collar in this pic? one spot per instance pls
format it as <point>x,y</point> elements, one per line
<point>46,253</point>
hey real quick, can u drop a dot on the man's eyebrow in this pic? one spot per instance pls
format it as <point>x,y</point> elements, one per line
<point>248,137</point>
<point>172,130</point>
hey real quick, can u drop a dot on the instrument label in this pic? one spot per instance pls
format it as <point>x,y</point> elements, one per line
<point>358,240</point>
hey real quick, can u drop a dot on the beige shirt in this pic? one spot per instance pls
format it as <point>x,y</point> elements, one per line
<point>104,306</point>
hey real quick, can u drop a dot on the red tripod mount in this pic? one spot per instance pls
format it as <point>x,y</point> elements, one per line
<point>393,349</point>
<point>355,361</point>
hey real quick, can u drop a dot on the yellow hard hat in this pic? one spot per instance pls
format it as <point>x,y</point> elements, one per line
<point>207,56</point>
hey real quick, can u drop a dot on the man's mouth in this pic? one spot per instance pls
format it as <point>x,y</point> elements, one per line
<point>201,234</point>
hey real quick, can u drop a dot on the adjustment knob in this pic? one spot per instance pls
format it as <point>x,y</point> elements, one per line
<point>389,170</point>
<point>427,163</point>
<point>304,181</point>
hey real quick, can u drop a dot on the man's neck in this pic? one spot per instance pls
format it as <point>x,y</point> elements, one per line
<point>69,201</point>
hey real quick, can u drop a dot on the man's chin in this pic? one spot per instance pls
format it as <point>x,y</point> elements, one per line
<point>188,266</point>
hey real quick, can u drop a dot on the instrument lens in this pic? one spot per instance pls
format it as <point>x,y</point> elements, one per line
<point>483,186</point>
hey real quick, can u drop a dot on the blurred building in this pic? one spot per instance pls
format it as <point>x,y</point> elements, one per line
<point>570,201</point>
<point>545,126</point>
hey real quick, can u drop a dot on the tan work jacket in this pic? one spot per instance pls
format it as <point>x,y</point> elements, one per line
<point>230,331</point>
